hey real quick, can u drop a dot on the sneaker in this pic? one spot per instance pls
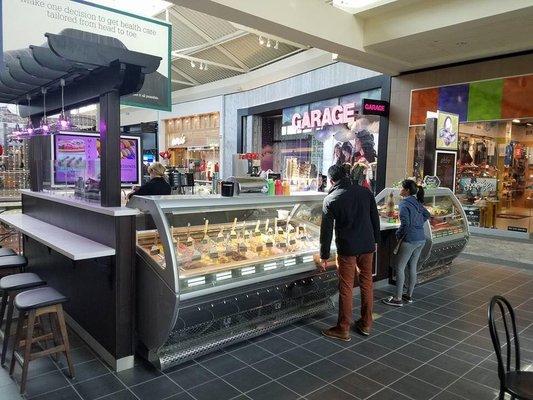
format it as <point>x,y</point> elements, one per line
<point>407,298</point>
<point>391,301</point>
<point>334,333</point>
<point>360,329</point>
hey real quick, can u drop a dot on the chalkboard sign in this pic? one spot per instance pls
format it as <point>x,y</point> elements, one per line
<point>445,165</point>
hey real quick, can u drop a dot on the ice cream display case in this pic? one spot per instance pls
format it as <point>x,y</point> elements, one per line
<point>446,232</point>
<point>212,271</point>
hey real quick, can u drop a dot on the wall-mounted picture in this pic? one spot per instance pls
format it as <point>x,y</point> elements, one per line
<point>447,131</point>
<point>445,165</point>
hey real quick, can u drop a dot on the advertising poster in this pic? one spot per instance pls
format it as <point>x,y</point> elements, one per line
<point>445,163</point>
<point>25,23</point>
<point>447,131</point>
<point>79,156</point>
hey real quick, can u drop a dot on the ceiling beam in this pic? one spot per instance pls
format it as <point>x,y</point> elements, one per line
<point>213,43</point>
<point>183,74</point>
<point>278,58</point>
<point>176,56</point>
<point>182,82</point>
<point>208,38</point>
<point>271,37</point>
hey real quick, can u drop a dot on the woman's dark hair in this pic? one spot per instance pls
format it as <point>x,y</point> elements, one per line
<point>367,144</point>
<point>341,158</point>
<point>347,146</point>
<point>414,189</point>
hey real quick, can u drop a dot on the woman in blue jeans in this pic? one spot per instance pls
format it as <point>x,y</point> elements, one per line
<point>413,215</point>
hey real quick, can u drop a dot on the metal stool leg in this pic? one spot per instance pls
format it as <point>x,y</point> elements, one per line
<point>3,307</point>
<point>7,329</point>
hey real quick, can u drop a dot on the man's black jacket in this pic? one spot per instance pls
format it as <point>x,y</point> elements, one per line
<point>352,210</point>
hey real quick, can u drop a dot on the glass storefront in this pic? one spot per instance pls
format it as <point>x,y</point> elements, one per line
<point>303,141</point>
<point>494,172</point>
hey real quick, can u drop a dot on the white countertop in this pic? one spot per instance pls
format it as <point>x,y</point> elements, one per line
<point>73,246</point>
<point>388,225</point>
<point>85,205</point>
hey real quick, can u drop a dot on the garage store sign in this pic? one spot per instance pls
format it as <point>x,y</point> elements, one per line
<point>341,114</point>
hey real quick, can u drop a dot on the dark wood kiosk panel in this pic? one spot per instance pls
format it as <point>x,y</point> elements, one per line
<point>83,249</point>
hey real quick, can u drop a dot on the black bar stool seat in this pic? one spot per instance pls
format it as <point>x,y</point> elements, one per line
<point>15,262</point>
<point>11,285</point>
<point>6,251</point>
<point>31,305</point>
<point>38,298</point>
<point>520,384</point>
<point>21,281</point>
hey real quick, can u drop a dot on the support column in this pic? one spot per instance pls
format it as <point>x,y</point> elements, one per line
<point>110,149</point>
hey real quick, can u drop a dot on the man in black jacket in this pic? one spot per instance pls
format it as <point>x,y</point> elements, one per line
<point>351,210</point>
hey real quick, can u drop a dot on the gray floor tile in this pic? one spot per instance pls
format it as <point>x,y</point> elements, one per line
<point>246,379</point>
<point>158,388</point>
<point>302,382</point>
<point>99,387</point>
<point>418,352</point>
<point>43,383</point>
<point>223,364</point>
<point>380,373</point>
<point>370,350</point>
<point>191,376</point>
<point>327,370</point>
<point>350,359</point>
<point>400,362</point>
<point>67,393</point>
<point>471,390</point>
<point>330,392</point>
<point>299,357</point>
<point>275,367</point>
<point>358,385</point>
<point>125,394</point>
<point>251,354</point>
<point>272,390</point>
<point>323,347</point>
<point>452,365</point>
<point>388,394</point>
<point>139,374</point>
<point>388,341</point>
<point>215,389</point>
<point>415,388</point>
<point>276,345</point>
<point>484,377</point>
<point>434,375</point>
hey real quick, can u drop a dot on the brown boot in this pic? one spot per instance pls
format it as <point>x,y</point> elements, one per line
<point>336,333</point>
<point>359,328</point>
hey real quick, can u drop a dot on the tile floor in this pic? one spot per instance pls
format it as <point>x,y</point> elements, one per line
<point>437,348</point>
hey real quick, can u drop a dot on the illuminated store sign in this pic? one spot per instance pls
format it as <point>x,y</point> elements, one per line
<point>375,107</point>
<point>342,114</point>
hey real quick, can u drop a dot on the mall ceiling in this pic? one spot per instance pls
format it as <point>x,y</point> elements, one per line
<point>390,36</point>
<point>206,48</point>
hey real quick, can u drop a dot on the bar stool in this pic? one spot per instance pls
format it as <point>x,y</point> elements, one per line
<point>6,251</point>
<point>11,285</point>
<point>35,303</point>
<point>12,264</point>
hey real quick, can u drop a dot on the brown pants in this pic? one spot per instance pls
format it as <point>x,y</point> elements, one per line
<point>354,269</point>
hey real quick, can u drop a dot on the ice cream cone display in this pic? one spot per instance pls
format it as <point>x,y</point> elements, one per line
<point>219,246</point>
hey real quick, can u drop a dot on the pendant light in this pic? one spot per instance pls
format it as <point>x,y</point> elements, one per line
<point>62,121</point>
<point>17,131</point>
<point>45,128</point>
<point>29,124</point>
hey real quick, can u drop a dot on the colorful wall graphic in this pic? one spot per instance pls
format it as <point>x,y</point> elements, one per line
<point>488,100</point>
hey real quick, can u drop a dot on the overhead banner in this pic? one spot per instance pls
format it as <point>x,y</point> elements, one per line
<point>25,23</point>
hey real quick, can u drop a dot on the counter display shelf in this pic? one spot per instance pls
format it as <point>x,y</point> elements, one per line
<point>218,270</point>
<point>446,232</point>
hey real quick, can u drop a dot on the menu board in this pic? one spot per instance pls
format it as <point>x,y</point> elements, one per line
<point>445,163</point>
<point>78,156</point>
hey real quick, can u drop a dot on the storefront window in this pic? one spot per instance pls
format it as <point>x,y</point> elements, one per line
<point>494,174</point>
<point>194,144</point>
<point>302,142</point>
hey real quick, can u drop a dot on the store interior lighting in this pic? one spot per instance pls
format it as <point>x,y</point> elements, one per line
<point>516,121</point>
<point>267,42</point>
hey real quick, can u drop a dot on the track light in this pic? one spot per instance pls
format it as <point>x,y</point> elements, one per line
<point>205,67</point>
<point>193,65</point>
<point>268,43</point>
<point>261,40</point>
<point>276,46</point>
<point>201,67</point>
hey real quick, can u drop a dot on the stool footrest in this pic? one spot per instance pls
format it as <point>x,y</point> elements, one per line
<point>51,350</point>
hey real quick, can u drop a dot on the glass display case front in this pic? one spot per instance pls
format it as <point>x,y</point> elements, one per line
<point>447,214</point>
<point>222,243</point>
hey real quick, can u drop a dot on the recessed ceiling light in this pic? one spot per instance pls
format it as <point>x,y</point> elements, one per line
<point>516,121</point>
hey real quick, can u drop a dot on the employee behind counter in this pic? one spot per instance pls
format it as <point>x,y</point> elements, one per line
<point>156,186</point>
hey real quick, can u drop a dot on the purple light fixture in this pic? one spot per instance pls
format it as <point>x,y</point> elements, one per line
<point>62,122</point>
<point>29,125</point>
<point>45,128</point>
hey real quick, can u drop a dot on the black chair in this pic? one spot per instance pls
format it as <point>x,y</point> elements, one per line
<point>517,383</point>
<point>6,251</point>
